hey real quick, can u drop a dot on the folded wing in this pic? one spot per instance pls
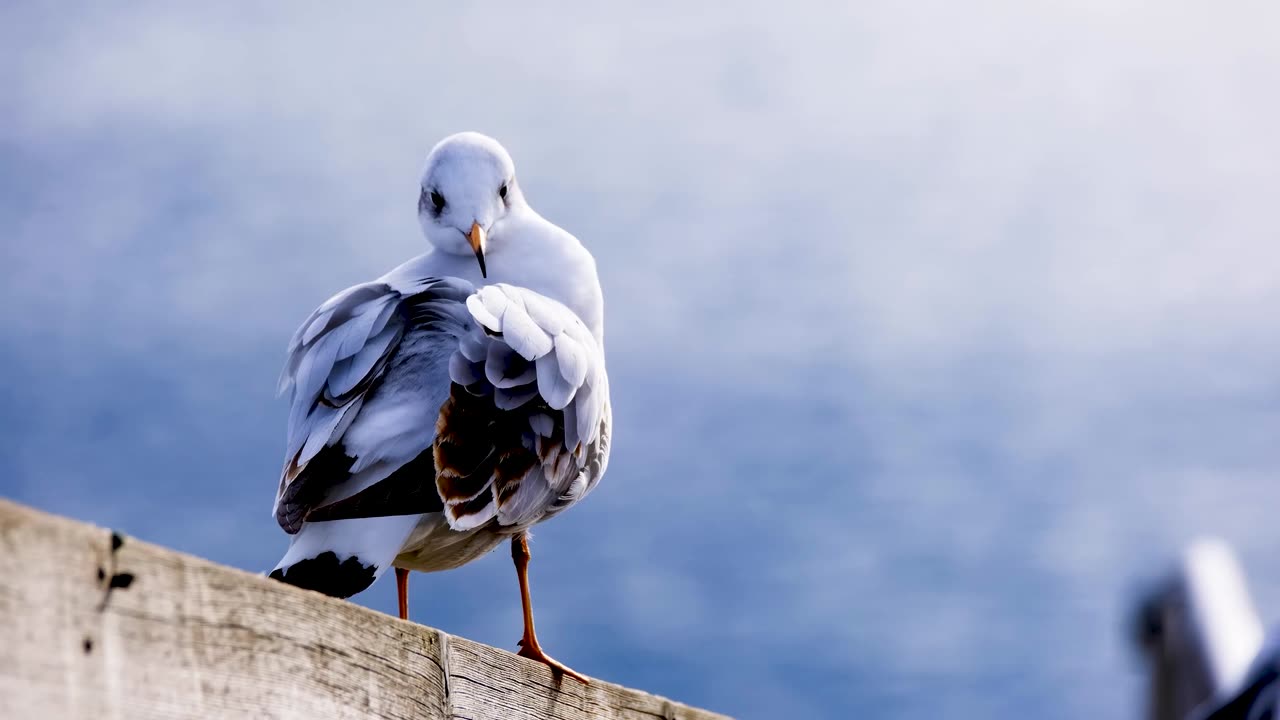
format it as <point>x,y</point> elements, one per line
<point>498,395</point>
<point>367,372</point>
<point>525,431</point>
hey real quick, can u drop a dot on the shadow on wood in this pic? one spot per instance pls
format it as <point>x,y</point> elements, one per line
<point>99,625</point>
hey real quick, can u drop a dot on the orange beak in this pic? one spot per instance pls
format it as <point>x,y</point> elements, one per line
<point>476,238</point>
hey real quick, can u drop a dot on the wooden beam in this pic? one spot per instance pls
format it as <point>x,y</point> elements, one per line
<point>97,625</point>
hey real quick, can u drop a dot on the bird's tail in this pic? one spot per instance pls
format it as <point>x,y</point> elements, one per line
<point>343,557</point>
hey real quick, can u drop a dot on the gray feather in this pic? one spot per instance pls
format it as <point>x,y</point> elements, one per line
<point>573,359</point>
<point>551,384</point>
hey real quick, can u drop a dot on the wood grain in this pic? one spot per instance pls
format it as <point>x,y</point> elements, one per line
<point>181,637</point>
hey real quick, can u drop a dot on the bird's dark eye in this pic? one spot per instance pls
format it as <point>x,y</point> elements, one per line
<point>437,200</point>
<point>502,191</point>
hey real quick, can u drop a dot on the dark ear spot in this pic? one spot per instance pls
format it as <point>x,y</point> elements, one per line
<point>431,201</point>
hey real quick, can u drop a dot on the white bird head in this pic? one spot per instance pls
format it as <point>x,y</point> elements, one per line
<point>469,186</point>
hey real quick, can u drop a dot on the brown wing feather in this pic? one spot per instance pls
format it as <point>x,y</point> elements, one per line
<point>482,452</point>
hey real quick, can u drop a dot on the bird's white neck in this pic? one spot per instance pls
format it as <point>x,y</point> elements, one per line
<point>525,250</point>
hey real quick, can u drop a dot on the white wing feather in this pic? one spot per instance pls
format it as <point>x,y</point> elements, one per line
<point>566,370</point>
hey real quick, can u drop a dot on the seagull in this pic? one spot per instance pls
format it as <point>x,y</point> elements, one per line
<point>453,403</point>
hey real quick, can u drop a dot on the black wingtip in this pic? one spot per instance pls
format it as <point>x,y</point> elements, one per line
<point>324,574</point>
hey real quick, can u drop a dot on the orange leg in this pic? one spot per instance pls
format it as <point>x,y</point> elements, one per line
<point>402,591</point>
<point>529,646</point>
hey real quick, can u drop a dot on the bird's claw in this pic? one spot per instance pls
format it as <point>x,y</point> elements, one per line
<point>534,652</point>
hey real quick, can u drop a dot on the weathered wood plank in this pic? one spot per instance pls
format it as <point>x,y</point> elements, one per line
<point>181,637</point>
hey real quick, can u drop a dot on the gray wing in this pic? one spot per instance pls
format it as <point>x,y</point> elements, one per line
<point>367,373</point>
<point>525,431</point>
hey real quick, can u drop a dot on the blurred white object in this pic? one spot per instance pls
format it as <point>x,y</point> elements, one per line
<point>1201,633</point>
<point>1225,622</point>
